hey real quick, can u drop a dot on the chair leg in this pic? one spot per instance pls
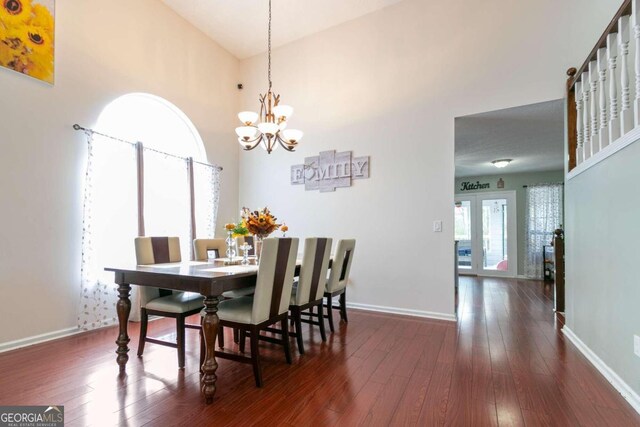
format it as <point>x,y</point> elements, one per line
<point>343,306</point>
<point>236,336</point>
<point>330,313</point>
<point>144,320</point>
<point>297,319</point>
<point>180,341</point>
<point>255,355</point>
<point>220,336</point>
<point>284,324</point>
<point>323,333</point>
<point>243,338</point>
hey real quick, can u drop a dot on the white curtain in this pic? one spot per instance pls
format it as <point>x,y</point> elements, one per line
<point>207,189</point>
<point>108,228</point>
<point>110,216</point>
<point>544,215</point>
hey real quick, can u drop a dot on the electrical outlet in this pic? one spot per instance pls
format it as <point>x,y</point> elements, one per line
<point>437,226</point>
<point>636,345</point>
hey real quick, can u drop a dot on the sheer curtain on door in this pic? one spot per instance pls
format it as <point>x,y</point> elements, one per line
<point>543,215</point>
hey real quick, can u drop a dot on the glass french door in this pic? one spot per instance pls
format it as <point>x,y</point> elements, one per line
<point>485,228</point>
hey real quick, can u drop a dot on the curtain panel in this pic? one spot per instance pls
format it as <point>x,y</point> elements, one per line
<point>129,191</point>
<point>544,213</point>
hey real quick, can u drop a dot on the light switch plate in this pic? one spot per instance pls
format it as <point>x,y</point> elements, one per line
<point>636,345</point>
<point>437,226</point>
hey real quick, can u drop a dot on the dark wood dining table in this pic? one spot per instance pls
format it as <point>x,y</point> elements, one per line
<point>210,279</point>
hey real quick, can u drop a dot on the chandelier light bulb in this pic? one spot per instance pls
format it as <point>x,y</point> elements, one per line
<point>292,136</point>
<point>283,111</point>
<point>248,117</point>
<point>246,132</point>
<point>268,128</point>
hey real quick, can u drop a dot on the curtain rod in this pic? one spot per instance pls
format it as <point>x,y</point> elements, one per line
<point>92,132</point>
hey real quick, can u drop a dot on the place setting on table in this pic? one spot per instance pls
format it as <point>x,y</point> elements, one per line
<point>250,291</point>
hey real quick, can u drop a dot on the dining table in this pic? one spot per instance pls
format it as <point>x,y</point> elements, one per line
<point>208,278</point>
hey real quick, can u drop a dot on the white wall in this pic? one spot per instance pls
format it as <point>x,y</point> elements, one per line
<point>602,236</point>
<point>104,49</point>
<point>389,85</point>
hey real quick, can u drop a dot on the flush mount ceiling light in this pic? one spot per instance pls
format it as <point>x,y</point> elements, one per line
<point>501,163</point>
<point>270,126</point>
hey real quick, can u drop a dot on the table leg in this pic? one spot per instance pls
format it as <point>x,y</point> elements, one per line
<point>210,332</point>
<point>123,308</point>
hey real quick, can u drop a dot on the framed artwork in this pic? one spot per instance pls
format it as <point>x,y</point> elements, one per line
<point>27,37</point>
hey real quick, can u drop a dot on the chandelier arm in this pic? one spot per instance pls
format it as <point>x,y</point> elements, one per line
<point>283,143</point>
<point>257,141</point>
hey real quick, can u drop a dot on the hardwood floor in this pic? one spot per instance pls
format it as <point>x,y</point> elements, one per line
<point>504,363</point>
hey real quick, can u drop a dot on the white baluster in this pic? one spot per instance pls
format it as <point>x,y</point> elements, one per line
<point>626,114</point>
<point>612,56</point>
<point>603,135</point>
<point>595,128</point>
<point>586,122</point>
<point>636,35</point>
<point>580,130</point>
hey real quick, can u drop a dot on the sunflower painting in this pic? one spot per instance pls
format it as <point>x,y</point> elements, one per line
<point>26,37</point>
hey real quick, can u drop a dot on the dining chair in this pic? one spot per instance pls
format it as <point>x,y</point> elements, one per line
<point>201,249</point>
<point>308,291</point>
<point>269,305</point>
<point>164,302</point>
<point>338,278</point>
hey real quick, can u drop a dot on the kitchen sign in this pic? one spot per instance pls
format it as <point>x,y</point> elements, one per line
<point>330,170</point>
<point>469,186</point>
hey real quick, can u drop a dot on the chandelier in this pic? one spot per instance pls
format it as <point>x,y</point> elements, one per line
<point>269,128</point>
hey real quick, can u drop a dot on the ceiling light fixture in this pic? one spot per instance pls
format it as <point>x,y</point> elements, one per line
<point>270,126</point>
<point>501,163</point>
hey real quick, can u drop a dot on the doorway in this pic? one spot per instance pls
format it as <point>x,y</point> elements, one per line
<point>485,228</point>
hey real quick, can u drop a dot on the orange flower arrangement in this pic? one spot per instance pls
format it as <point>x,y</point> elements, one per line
<point>260,223</point>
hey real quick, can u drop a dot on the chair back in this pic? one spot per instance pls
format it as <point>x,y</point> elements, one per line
<point>249,240</point>
<point>275,278</point>
<point>313,272</point>
<point>341,265</point>
<point>155,250</point>
<point>201,248</point>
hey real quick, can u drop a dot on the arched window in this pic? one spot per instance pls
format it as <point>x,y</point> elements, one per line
<point>140,189</point>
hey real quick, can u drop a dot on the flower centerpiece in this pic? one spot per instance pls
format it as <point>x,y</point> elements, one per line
<point>261,224</point>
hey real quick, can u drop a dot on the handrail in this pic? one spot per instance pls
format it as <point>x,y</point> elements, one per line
<point>624,10</point>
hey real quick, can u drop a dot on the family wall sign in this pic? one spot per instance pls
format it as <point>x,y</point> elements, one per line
<point>330,170</point>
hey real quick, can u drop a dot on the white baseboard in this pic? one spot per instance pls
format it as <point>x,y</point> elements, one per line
<point>37,339</point>
<point>618,383</point>
<point>402,311</point>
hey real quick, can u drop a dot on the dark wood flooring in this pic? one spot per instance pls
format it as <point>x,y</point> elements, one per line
<point>504,363</point>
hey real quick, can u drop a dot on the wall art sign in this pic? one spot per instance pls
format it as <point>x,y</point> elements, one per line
<point>27,37</point>
<point>468,185</point>
<point>330,170</point>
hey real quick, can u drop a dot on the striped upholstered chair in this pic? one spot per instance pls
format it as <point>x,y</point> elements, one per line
<point>201,249</point>
<point>309,290</point>
<point>163,302</point>
<point>269,305</point>
<point>338,278</point>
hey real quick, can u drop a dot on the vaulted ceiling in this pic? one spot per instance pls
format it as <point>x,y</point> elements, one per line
<point>240,26</point>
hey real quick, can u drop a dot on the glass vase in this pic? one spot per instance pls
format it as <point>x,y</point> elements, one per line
<point>257,243</point>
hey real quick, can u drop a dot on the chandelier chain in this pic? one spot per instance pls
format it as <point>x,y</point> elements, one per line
<point>269,44</point>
